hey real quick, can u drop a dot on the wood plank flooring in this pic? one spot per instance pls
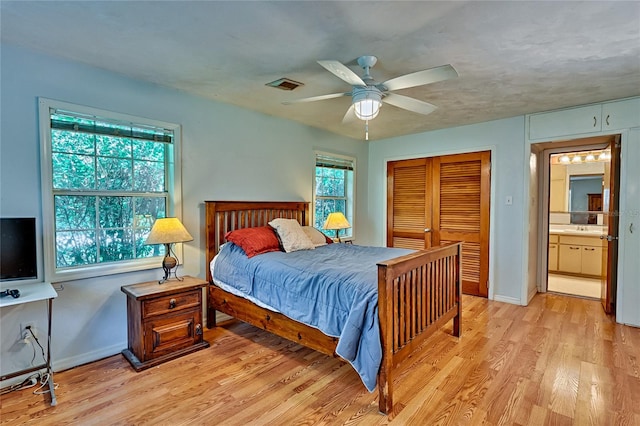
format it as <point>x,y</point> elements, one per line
<point>558,361</point>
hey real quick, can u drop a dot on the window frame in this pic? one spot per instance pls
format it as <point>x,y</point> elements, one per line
<point>172,178</point>
<point>350,191</point>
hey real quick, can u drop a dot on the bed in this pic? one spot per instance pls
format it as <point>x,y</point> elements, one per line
<point>417,293</point>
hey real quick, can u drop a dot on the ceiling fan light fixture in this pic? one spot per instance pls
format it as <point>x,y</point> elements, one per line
<point>366,102</point>
<point>367,109</point>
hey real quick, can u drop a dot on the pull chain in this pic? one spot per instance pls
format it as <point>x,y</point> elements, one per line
<point>366,130</point>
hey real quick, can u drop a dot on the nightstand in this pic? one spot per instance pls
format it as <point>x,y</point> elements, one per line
<point>164,321</point>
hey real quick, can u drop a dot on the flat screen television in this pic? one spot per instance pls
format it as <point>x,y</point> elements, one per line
<point>18,258</point>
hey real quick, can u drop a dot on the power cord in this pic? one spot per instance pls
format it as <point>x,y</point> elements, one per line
<point>38,342</point>
<point>29,382</point>
<point>44,378</point>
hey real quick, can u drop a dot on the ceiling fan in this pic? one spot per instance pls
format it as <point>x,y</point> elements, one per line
<point>367,95</point>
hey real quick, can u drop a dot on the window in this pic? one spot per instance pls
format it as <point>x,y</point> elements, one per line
<point>106,178</point>
<point>334,190</point>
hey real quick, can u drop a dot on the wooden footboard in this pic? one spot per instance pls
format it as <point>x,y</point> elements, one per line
<point>417,294</point>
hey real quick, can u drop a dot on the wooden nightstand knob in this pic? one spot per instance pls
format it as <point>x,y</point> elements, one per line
<point>172,303</point>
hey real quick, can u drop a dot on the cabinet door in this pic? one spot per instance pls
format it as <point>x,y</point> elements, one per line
<point>572,121</point>
<point>591,260</point>
<point>621,115</point>
<point>553,257</point>
<point>168,334</point>
<point>570,258</point>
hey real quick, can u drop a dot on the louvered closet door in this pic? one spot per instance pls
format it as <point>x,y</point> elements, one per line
<point>450,196</point>
<point>461,213</point>
<point>409,203</point>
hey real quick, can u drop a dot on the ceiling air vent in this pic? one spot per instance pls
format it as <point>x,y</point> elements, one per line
<point>285,84</point>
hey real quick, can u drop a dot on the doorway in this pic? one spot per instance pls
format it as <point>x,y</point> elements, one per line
<point>581,180</point>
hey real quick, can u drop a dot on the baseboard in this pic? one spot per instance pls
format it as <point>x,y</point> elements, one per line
<point>506,299</point>
<point>67,363</point>
<point>87,357</point>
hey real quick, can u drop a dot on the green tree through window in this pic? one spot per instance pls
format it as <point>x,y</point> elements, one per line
<point>334,188</point>
<point>110,181</point>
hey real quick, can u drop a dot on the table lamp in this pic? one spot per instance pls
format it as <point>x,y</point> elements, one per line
<point>168,231</point>
<point>337,221</point>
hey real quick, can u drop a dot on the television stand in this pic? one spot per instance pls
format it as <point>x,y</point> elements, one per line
<point>35,292</point>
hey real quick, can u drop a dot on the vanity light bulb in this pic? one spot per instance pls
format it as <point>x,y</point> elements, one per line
<point>590,157</point>
<point>577,159</point>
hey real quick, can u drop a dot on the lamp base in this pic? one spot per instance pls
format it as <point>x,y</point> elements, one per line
<point>169,266</point>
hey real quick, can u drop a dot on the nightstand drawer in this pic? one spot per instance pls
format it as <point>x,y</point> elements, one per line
<point>172,303</point>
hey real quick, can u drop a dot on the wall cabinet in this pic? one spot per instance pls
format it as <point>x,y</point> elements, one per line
<point>558,189</point>
<point>597,118</point>
<point>565,122</point>
<point>621,115</point>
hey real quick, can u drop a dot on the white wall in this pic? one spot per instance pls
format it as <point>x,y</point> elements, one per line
<point>505,138</point>
<point>228,154</point>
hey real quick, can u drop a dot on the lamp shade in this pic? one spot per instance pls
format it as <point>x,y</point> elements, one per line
<point>336,220</point>
<point>168,230</point>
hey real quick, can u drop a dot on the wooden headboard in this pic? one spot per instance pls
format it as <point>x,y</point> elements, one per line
<point>224,216</point>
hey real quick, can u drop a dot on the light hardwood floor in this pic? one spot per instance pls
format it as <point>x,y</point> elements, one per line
<point>558,361</point>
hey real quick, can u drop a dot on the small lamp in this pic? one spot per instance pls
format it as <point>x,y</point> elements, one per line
<point>336,221</point>
<point>168,231</point>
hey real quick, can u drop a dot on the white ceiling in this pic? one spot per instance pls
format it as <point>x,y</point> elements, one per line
<point>512,57</point>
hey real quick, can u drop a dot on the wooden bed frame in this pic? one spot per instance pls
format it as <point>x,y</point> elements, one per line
<point>417,293</point>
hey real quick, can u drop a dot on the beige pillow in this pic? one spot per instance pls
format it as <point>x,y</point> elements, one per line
<point>291,234</point>
<point>317,238</point>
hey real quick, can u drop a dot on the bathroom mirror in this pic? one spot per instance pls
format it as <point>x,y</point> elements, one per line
<point>585,198</point>
<point>575,193</point>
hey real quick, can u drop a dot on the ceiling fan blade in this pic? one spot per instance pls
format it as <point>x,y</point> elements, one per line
<point>318,98</point>
<point>419,78</point>
<point>342,72</point>
<point>350,116</point>
<point>408,103</point>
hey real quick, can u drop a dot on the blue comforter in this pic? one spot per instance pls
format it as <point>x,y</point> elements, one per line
<point>333,288</point>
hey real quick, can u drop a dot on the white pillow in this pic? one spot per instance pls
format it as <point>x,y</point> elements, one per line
<point>317,238</point>
<point>292,237</point>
